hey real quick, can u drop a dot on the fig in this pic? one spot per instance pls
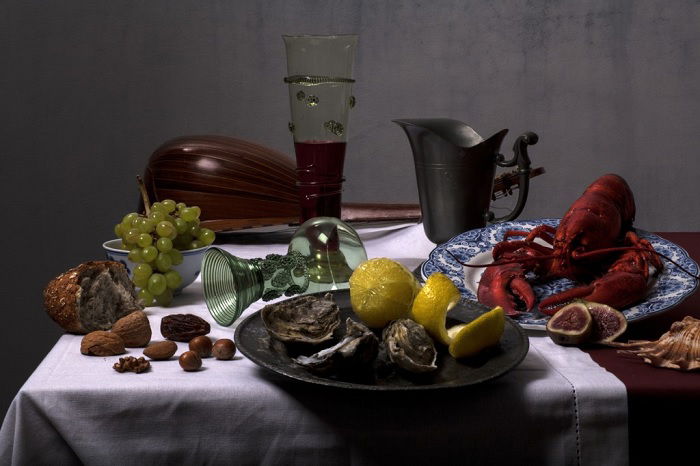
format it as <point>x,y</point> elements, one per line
<point>608,323</point>
<point>570,325</point>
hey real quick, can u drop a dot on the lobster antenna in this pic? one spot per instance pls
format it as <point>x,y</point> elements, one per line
<point>581,255</point>
<point>504,262</point>
<point>584,255</point>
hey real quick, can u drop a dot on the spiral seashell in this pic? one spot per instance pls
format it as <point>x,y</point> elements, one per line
<point>679,348</point>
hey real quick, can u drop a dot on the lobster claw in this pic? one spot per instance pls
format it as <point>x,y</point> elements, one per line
<point>617,289</point>
<point>505,286</point>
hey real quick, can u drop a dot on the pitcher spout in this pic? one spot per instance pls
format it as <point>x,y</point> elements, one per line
<point>453,131</point>
<point>493,144</point>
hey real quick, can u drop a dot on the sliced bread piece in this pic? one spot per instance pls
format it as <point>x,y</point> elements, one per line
<point>91,296</point>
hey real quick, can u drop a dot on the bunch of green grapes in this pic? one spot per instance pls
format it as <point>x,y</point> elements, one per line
<point>154,242</point>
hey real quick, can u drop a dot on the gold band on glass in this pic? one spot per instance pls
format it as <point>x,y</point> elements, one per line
<point>313,80</point>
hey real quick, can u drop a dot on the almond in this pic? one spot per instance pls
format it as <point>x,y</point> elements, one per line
<point>102,343</point>
<point>134,329</point>
<point>161,350</point>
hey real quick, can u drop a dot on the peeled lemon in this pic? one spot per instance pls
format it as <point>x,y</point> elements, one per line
<point>480,333</point>
<point>430,307</point>
<point>382,290</point>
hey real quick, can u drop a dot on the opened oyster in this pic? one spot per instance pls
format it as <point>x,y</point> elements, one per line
<point>304,319</point>
<point>357,349</point>
<point>409,346</point>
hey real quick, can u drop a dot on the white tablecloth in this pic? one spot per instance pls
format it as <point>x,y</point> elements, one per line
<point>557,407</point>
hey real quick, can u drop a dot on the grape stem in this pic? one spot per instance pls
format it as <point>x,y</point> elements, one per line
<point>144,195</point>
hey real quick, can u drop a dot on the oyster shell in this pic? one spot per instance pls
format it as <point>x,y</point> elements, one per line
<point>409,346</point>
<point>304,319</point>
<point>357,349</point>
<point>679,348</point>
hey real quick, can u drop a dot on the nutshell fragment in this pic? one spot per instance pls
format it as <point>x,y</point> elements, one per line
<point>132,364</point>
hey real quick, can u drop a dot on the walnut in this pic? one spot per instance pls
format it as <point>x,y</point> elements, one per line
<point>102,343</point>
<point>134,329</point>
<point>132,364</point>
<point>183,327</point>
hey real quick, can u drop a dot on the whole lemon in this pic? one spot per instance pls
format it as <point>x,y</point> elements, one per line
<point>382,290</point>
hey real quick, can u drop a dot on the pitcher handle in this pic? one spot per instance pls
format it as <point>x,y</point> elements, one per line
<point>522,159</point>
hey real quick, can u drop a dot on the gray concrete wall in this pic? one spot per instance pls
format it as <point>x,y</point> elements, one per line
<point>89,89</point>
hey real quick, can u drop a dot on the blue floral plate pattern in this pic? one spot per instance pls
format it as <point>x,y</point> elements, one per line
<point>474,247</point>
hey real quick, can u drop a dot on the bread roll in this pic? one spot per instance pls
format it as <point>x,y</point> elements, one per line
<point>91,296</point>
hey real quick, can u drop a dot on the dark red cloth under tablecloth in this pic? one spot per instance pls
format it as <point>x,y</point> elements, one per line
<point>660,401</point>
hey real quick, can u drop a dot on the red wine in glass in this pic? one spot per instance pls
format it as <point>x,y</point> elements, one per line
<point>320,172</point>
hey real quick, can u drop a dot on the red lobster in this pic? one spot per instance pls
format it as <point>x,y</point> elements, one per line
<point>594,241</point>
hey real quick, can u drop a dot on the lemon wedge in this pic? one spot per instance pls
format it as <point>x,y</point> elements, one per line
<point>382,290</point>
<point>482,332</point>
<point>432,303</point>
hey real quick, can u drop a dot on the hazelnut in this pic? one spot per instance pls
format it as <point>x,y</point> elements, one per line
<point>224,349</point>
<point>190,361</point>
<point>201,345</point>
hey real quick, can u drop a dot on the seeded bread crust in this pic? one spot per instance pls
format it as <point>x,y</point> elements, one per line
<point>62,296</point>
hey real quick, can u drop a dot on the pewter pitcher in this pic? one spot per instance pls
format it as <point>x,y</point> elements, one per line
<point>455,170</point>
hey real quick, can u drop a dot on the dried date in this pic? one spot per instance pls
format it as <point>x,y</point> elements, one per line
<point>183,327</point>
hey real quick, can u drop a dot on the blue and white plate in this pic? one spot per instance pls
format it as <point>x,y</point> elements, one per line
<point>474,247</point>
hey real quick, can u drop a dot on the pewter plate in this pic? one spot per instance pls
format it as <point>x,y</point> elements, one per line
<point>670,288</point>
<point>256,344</point>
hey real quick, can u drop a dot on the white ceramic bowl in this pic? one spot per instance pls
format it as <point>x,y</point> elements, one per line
<point>188,270</point>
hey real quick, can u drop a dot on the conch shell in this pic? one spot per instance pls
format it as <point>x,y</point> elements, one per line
<point>679,348</point>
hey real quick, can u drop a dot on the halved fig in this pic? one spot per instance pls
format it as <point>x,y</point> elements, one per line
<point>570,325</point>
<point>608,323</point>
